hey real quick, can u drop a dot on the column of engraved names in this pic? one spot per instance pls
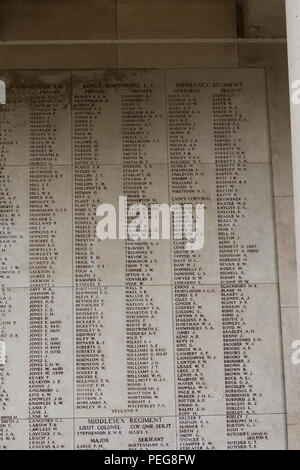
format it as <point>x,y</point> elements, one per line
<point>147,354</point>
<point>50,383</point>
<point>13,260</point>
<point>196,305</point>
<point>91,376</point>
<point>232,171</point>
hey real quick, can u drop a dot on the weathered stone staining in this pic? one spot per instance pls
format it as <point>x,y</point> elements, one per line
<point>123,344</point>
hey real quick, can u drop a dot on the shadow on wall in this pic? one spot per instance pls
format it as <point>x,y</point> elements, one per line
<point>261,18</point>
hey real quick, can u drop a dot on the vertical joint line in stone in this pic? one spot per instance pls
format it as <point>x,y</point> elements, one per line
<point>116,28</point>
<point>72,221</point>
<point>172,287</point>
<point>283,370</point>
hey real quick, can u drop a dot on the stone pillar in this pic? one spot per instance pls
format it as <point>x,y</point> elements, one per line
<point>293,36</point>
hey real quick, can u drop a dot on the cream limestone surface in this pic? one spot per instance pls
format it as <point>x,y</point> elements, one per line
<point>139,344</point>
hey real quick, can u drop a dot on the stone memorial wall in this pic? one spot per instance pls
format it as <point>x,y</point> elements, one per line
<point>138,344</point>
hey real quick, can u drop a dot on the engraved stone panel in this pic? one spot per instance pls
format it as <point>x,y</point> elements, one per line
<point>138,344</point>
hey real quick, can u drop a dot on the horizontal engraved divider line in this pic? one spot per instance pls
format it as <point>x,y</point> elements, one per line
<point>276,413</point>
<point>178,284</point>
<point>32,42</point>
<point>124,165</point>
